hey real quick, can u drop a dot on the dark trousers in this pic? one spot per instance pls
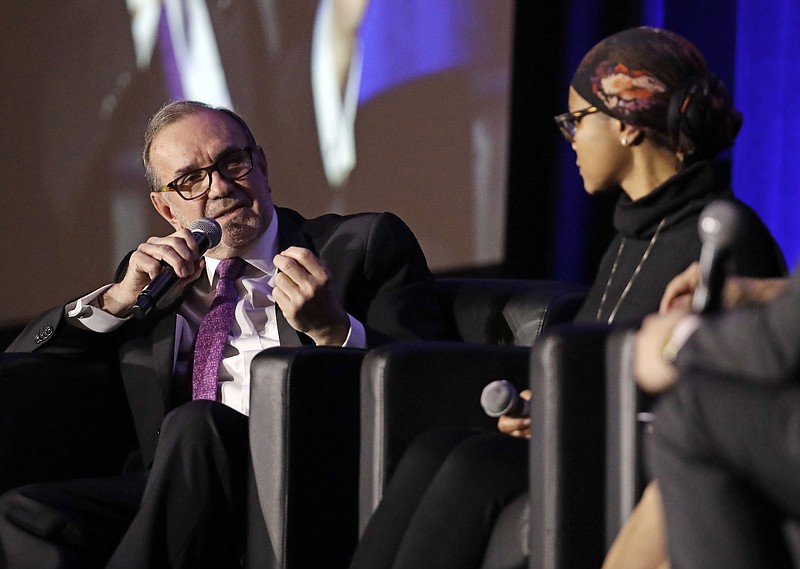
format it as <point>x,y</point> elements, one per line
<point>441,503</point>
<point>726,455</point>
<point>187,512</point>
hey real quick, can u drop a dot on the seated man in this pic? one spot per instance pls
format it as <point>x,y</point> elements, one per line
<point>726,448</point>
<point>358,280</point>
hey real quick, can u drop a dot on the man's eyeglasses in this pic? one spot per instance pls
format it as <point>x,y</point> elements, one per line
<point>568,122</point>
<point>195,184</point>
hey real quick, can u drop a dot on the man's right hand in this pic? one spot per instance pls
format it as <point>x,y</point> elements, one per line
<point>178,250</point>
<point>680,289</point>
<point>737,291</point>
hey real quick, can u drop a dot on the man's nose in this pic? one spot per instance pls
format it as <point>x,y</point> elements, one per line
<point>220,185</point>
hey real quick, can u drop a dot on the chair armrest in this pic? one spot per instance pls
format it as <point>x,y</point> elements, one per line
<point>304,436</point>
<point>61,418</point>
<point>567,467</point>
<point>624,482</point>
<point>410,388</point>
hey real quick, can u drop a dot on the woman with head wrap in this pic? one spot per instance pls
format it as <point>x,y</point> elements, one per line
<point>645,116</point>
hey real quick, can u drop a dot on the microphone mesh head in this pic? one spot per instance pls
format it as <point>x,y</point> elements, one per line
<point>720,223</point>
<point>498,397</point>
<point>210,228</point>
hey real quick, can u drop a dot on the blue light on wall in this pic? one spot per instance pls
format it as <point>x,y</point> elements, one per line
<point>570,239</point>
<point>767,152</point>
<point>653,13</point>
<point>406,40</point>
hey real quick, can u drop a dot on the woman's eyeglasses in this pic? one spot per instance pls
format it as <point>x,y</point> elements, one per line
<point>568,122</point>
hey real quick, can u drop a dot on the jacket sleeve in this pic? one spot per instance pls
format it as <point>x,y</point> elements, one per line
<point>51,332</point>
<point>403,304</point>
<point>758,343</point>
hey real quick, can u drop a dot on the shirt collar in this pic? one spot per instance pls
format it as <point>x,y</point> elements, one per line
<point>259,254</point>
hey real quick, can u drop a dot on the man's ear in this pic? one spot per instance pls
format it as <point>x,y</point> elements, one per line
<point>164,209</point>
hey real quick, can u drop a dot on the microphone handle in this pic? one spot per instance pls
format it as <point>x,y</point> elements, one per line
<point>708,296</point>
<point>163,282</point>
<point>150,295</point>
<point>521,408</point>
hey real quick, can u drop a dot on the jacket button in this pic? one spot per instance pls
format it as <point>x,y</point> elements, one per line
<point>43,335</point>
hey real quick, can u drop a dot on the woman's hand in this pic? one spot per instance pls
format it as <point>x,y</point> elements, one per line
<point>516,426</point>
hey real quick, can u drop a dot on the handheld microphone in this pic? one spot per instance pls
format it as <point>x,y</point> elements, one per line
<point>207,234</point>
<point>501,398</point>
<point>719,227</point>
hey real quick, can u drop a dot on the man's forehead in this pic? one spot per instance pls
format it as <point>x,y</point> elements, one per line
<point>194,139</point>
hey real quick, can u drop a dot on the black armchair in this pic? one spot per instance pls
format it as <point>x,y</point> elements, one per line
<point>408,389</point>
<point>304,426</point>
<point>306,467</point>
<point>60,418</point>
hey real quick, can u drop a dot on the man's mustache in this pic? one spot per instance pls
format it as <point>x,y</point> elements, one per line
<point>226,205</point>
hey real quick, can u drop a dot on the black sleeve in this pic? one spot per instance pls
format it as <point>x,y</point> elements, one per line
<point>403,305</point>
<point>758,343</point>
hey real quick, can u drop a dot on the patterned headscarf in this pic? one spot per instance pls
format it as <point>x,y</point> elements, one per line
<point>632,75</point>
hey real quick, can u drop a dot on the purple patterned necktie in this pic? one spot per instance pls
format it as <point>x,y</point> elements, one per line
<point>212,335</point>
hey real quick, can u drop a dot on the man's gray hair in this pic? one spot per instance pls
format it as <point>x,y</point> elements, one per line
<point>172,112</point>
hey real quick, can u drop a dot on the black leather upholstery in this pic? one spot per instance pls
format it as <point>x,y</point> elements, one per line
<point>505,311</point>
<point>407,389</point>
<point>305,526</point>
<point>584,468</point>
<point>303,438</point>
<point>60,418</point>
<point>304,427</point>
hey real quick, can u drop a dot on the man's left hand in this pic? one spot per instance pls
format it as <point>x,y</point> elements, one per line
<point>305,294</point>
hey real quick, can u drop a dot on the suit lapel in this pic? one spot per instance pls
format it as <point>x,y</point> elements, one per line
<point>287,335</point>
<point>290,233</point>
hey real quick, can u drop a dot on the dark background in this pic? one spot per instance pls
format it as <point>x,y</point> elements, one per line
<point>56,244</point>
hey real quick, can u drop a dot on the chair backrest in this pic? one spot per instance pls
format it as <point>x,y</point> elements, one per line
<point>505,311</point>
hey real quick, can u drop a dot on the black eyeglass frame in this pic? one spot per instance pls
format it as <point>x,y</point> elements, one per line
<point>568,122</point>
<point>174,186</point>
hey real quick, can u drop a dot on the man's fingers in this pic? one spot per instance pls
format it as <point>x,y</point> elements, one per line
<point>682,285</point>
<point>300,263</point>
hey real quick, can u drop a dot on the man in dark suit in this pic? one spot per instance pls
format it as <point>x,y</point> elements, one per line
<point>726,446</point>
<point>357,280</point>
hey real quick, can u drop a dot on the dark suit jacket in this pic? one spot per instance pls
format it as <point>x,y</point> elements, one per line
<point>760,344</point>
<point>378,270</point>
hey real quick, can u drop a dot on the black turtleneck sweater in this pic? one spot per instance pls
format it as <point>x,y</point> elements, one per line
<point>675,206</point>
